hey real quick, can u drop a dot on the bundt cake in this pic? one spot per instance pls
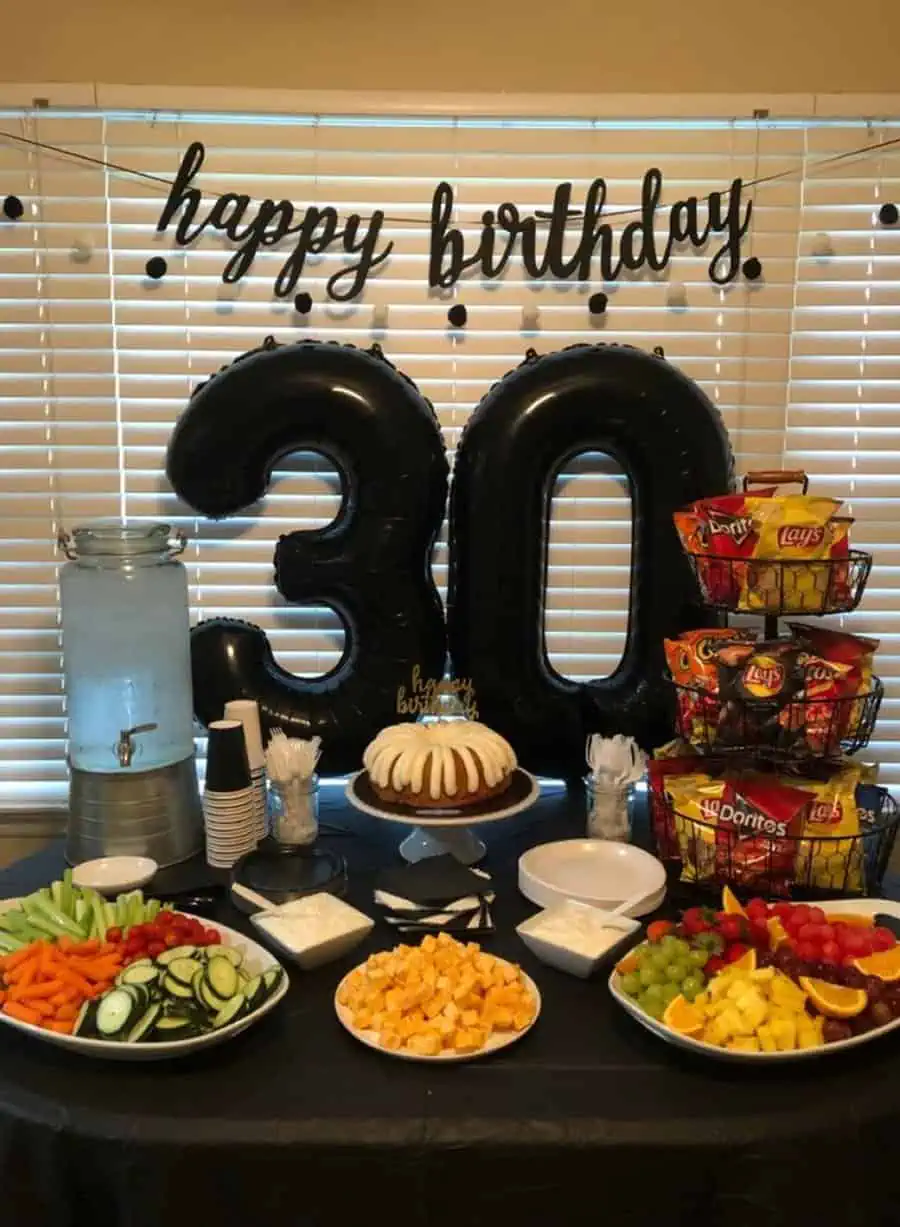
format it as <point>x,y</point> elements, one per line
<point>447,763</point>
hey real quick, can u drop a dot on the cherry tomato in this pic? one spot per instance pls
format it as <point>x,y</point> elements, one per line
<point>171,939</point>
<point>114,934</point>
<point>213,937</point>
<point>155,948</point>
<point>164,919</point>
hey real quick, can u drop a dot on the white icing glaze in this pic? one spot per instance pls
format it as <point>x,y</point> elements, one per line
<point>400,754</point>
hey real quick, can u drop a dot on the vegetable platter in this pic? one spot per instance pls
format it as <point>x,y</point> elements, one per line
<point>155,984</point>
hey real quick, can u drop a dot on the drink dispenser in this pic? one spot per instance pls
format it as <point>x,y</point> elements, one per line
<point>126,649</point>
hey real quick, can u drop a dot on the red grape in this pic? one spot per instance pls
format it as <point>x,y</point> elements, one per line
<point>881,1013</point>
<point>835,1030</point>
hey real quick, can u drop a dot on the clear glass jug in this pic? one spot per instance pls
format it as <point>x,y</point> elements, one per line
<point>126,647</point>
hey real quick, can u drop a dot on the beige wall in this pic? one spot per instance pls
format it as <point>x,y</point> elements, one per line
<point>482,45</point>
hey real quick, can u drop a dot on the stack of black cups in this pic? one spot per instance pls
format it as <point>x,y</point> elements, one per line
<point>228,799</point>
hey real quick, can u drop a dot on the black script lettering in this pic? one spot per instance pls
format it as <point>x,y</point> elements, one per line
<point>183,194</point>
<point>684,223</point>
<point>592,234</point>
<point>308,243</point>
<point>651,190</point>
<point>357,273</point>
<point>446,240</point>
<point>219,215</point>
<point>258,234</point>
<point>730,223</point>
<point>507,219</point>
<point>560,213</point>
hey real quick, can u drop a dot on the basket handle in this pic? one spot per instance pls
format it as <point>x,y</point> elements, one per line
<point>776,477</point>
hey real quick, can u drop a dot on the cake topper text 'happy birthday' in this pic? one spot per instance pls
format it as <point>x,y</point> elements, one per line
<point>540,237</point>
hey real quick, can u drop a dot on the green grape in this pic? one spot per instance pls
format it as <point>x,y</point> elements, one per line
<point>670,992</point>
<point>699,957</point>
<point>670,944</point>
<point>676,972</point>
<point>652,1006</point>
<point>631,984</point>
<point>656,992</point>
<point>649,975</point>
<point>683,949</point>
<point>711,942</point>
<point>692,985</point>
<point>660,960</point>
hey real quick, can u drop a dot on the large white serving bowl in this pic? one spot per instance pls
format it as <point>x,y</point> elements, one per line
<point>257,960</point>
<point>600,872</point>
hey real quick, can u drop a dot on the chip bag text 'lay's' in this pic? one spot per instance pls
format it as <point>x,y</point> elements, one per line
<point>829,854</point>
<point>735,539</point>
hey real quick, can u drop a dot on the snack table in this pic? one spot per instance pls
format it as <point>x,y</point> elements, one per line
<point>588,1118</point>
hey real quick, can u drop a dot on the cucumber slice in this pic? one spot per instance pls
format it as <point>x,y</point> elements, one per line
<point>230,1011</point>
<point>114,1012</point>
<point>272,980</point>
<point>197,988</point>
<point>177,952</point>
<point>225,952</point>
<point>222,978</point>
<point>254,992</point>
<point>174,1027</point>
<point>139,994</point>
<point>183,969</point>
<point>144,1023</point>
<point>176,989</point>
<point>86,1022</point>
<point>139,973</point>
<point>212,1001</point>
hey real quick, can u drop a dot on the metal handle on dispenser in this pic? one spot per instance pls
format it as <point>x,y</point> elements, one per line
<point>125,747</point>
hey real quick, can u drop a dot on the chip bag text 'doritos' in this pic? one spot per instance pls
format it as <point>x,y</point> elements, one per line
<point>740,828</point>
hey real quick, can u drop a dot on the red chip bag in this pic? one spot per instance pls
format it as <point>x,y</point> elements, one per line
<point>758,821</point>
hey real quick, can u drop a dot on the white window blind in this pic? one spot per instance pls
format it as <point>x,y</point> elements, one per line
<point>96,361</point>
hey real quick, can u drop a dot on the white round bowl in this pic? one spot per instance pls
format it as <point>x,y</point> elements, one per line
<point>600,872</point>
<point>112,874</point>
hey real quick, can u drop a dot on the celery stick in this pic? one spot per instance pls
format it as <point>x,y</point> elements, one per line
<point>82,910</point>
<point>56,917</point>
<point>109,914</point>
<point>135,908</point>
<point>151,910</point>
<point>69,895</point>
<point>122,911</point>
<point>8,943</point>
<point>56,894</point>
<point>15,924</point>
<point>98,912</point>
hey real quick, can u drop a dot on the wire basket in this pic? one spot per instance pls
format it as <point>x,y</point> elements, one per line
<point>800,728</point>
<point>775,587</point>
<point>712,856</point>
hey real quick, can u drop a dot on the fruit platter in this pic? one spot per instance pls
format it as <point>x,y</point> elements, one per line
<point>766,981</point>
<point>129,979</point>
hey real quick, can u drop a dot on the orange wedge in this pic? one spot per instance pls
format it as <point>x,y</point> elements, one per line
<point>730,903</point>
<point>747,962</point>
<point>777,931</point>
<point>834,1000</point>
<point>885,965</point>
<point>850,918</point>
<point>630,962</point>
<point>684,1017</point>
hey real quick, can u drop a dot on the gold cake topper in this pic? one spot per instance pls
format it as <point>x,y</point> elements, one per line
<point>430,698</point>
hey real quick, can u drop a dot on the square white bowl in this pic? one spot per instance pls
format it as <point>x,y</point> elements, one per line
<point>333,929</point>
<point>551,948</point>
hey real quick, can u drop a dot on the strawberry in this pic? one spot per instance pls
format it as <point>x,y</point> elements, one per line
<point>735,951</point>
<point>713,966</point>
<point>658,929</point>
<point>732,928</point>
<point>697,920</point>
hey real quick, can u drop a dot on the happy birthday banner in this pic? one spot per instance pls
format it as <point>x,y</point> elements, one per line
<point>539,236</point>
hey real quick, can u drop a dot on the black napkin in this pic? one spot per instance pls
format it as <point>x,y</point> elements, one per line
<point>436,880</point>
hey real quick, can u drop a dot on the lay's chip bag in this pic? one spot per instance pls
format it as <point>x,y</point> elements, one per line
<point>830,852</point>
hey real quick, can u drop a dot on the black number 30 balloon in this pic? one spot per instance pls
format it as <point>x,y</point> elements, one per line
<point>673,447</point>
<point>371,564</point>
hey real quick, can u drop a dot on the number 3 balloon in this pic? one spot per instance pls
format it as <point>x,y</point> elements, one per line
<point>673,447</point>
<point>371,564</point>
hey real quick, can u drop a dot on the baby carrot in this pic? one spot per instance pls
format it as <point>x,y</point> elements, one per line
<point>10,961</point>
<point>91,946</point>
<point>35,991</point>
<point>66,1013</point>
<point>61,1028</point>
<point>21,1012</point>
<point>42,1008</point>
<point>75,980</point>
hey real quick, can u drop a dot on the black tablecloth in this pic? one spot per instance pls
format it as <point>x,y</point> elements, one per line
<point>588,1118</point>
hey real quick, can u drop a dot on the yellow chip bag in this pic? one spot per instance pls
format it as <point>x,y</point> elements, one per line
<point>694,801</point>
<point>830,854</point>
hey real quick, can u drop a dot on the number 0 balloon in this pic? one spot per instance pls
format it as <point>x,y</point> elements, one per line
<point>671,442</point>
<point>371,564</point>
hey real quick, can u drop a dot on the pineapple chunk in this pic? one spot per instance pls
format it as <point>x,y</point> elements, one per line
<point>744,1043</point>
<point>762,975</point>
<point>785,1033</point>
<point>754,1009</point>
<point>785,992</point>
<point>766,1038</point>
